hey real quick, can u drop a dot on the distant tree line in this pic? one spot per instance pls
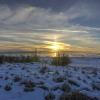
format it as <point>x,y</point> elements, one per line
<point>17,59</point>
<point>20,59</point>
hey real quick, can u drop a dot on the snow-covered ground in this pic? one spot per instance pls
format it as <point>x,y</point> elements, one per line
<point>34,81</point>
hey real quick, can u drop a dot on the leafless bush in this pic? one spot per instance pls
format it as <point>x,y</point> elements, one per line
<point>7,87</point>
<point>62,60</point>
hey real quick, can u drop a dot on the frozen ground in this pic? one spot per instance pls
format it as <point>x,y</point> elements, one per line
<point>34,81</point>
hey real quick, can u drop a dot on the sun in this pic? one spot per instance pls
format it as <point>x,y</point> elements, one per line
<point>55,46</point>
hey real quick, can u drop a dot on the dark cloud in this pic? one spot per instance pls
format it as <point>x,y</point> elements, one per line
<point>54,5</point>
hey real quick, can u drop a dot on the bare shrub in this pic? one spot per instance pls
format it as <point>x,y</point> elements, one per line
<point>61,60</point>
<point>50,96</point>
<point>7,87</point>
<point>43,70</point>
<point>29,86</point>
<point>65,88</point>
<point>75,96</point>
<point>17,79</point>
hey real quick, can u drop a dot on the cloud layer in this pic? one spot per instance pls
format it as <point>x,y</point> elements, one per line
<point>25,24</point>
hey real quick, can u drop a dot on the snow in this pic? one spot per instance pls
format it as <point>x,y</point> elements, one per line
<point>81,76</point>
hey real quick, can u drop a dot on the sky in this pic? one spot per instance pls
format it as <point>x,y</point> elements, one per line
<point>28,24</point>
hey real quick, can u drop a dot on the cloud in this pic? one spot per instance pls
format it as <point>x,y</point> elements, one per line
<point>34,24</point>
<point>28,17</point>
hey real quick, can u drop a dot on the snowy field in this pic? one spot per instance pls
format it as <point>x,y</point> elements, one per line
<point>38,81</point>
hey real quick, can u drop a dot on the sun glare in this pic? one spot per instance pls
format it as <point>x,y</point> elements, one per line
<point>55,46</point>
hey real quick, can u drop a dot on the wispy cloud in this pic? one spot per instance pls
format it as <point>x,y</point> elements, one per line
<point>32,25</point>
